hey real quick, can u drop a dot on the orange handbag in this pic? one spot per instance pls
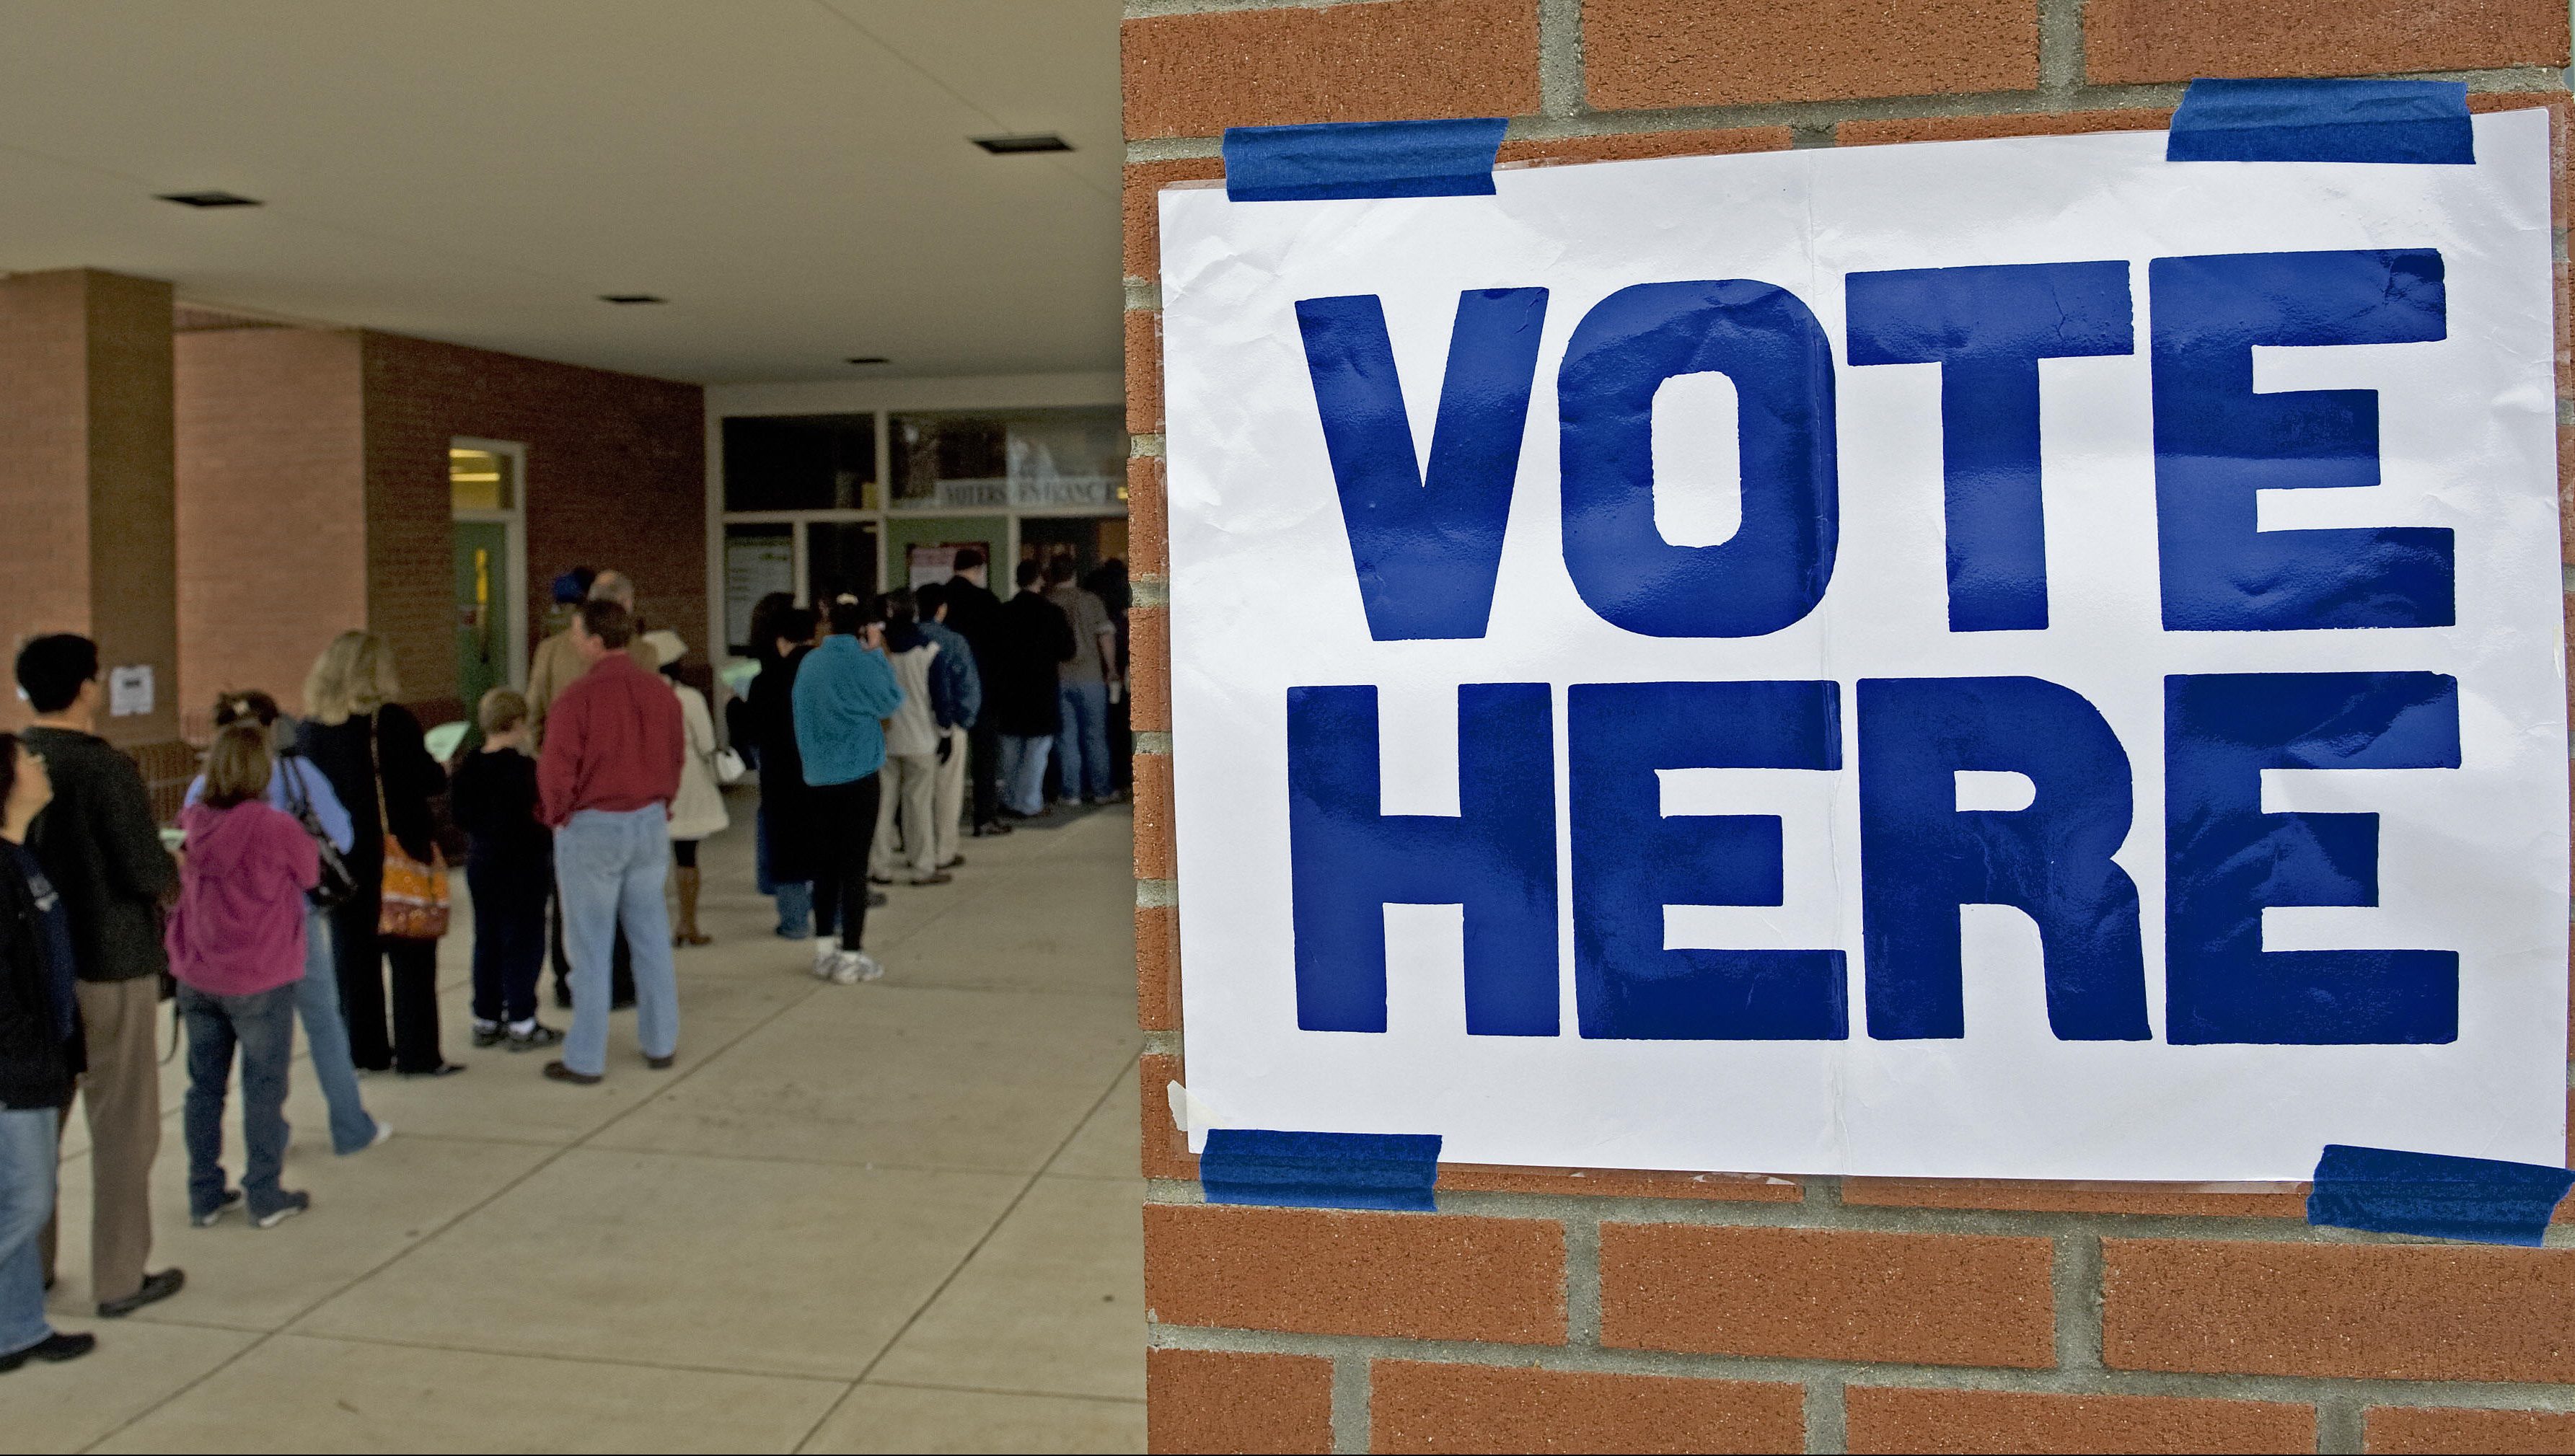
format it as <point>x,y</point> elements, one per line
<point>415,894</point>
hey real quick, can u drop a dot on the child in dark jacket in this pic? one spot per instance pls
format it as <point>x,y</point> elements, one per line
<point>236,944</point>
<point>508,865</point>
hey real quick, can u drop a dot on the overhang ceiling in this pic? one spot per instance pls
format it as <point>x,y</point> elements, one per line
<point>794,176</point>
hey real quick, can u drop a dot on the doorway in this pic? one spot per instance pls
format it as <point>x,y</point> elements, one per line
<point>486,482</point>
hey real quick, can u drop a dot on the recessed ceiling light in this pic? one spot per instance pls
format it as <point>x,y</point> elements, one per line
<point>632,298</point>
<point>867,359</point>
<point>209,199</point>
<point>1022,142</point>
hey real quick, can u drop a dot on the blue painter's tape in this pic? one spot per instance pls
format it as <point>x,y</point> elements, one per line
<point>1362,159</point>
<point>2477,1199</point>
<point>1320,1170</point>
<point>2323,121</point>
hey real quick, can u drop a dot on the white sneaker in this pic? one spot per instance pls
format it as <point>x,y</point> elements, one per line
<point>856,967</point>
<point>827,958</point>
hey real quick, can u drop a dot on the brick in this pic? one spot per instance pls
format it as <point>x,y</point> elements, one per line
<point>1657,53</point>
<point>1619,1183</point>
<point>1139,214</point>
<point>2566,493</point>
<point>1804,1293</point>
<point>1167,1148</point>
<point>1195,75</point>
<point>1423,1276</point>
<point>1148,667</point>
<point>1419,1406</point>
<point>1148,529</point>
<point>1143,372</point>
<point>1881,1418</point>
<point>1636,146</point>
<point>2126,41</point>
<point>1155,858</point>
<point>2397,1312</point>
<point>1158,967</point>
<point>2150,1199</point>
<point>1979,128</point>
<point>1211,1400</point>
<point>2399,1430</point>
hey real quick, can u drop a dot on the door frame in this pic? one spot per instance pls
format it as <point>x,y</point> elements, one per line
<point>514,569</point>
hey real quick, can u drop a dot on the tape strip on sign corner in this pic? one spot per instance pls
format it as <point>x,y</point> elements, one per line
<point>1320,1170</point>
<point>1362,159</point>
<point>2323,121</point>
<point>2477,1199</point>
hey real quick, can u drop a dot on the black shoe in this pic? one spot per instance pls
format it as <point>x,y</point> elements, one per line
<point>156,1287</point>
<point>291,1205</point>
<point>621,1003</point>
<point>443,1069</point>
<point>53,1349</point>
<point>538,1035</point>
<point>210,1217</point>
<point>491,1034</point>
<point>876,899</point>
<point>880,879</point>
<point>954,862</point>
<point>661,1063</point>
<point>557,1072</point>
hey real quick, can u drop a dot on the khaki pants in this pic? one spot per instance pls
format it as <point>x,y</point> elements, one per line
<point>122,1092</point>
<point>948,804</point>
<point>909,784</point>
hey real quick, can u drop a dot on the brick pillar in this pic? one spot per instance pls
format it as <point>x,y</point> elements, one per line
<point>86,480</point>
<point>1564,1309</point>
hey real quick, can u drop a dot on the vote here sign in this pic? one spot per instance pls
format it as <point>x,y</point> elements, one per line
<point>2016,658</point>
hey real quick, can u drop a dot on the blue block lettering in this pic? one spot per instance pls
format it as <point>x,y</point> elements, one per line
<point>1921,859</point>
<point>1426,548</point>
<point>1775,569</point>
<point>1629,861</point>
<point>1988,327</point>
<point>2227,860</point>
<point>1349,860</point>
<point>2217,441</point>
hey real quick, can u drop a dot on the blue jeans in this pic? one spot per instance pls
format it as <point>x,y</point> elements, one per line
<point>27,1158</point>
<point>1023,763</point>
<point>326,1033</point>
<point>795,898</point>
<point>262,1026</point>
<point>1082,743</point>
<point>609,868</point>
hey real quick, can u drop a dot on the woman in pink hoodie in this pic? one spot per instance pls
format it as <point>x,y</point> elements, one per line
<point>237,947</point>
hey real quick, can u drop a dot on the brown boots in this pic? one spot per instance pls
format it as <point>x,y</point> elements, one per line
<point>688,932</point>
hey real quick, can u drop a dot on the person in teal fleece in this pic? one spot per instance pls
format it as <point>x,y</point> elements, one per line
<point>844,693</point>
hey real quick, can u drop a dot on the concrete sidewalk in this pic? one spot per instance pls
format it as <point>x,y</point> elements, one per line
<point>889,1217</point>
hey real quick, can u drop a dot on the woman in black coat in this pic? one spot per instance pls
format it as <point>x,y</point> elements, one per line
<point>352,726</point>
<point>40,1056</point>
<point>789,854</point>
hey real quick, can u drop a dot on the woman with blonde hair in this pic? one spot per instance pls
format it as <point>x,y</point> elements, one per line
<point>370,747</point>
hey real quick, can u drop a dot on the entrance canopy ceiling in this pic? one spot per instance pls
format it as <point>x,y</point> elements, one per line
<point>794,177</point>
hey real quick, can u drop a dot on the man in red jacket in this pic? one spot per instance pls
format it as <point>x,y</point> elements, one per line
<point>605,782</point>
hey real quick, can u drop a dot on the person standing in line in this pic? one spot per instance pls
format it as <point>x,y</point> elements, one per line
<point>974,613</point>
<point>297,789</point>
<point>236,942</point>
<point>1108,582</point>
<point>510,868</point>
<point>785,808</point>
<point>743,724</point>
<point>606,778</point>
<point>699,811</point>
<point>916,740</point>
<point>98,845</point>
<point>1082,740</point>
<point>370,747</point>
<point>1034,639</point>
<point>557,664</point>
<point>844,692</point>
<point>957,696</point>
<point>40,1060</point>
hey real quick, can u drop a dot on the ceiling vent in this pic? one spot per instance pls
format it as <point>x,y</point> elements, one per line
<point>632,298</point>
<point>1019,142</point>
<point>209,199</point>
<point>867,359</point>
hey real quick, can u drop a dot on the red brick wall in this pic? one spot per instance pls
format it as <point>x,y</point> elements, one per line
<point>1572,1309</point>
<point>271,461</point>
<point>616,478</point>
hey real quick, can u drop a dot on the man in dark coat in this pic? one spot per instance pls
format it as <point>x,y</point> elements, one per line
<point>1034,640</point>
<point>974,613</point>
<point>787,826</point>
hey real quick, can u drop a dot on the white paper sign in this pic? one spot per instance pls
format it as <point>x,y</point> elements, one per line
<point>2006,658</point>
<point>129,691</point>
